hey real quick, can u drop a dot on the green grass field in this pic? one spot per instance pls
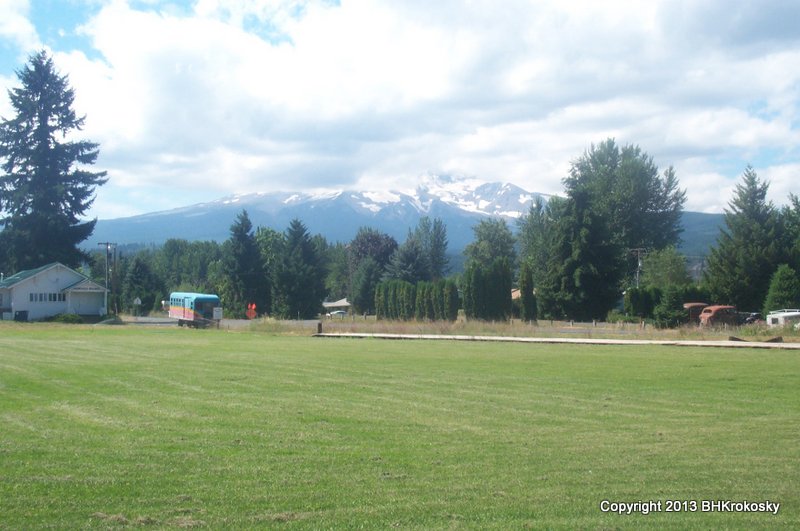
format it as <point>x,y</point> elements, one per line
<point>142,427</point>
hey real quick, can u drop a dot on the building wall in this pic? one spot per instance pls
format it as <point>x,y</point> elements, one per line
<point>42,295</point>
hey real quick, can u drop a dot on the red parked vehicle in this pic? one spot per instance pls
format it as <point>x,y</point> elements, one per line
<point>719,315</point>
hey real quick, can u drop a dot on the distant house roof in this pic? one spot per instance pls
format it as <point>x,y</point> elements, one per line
<point>16,278</point>
<point>84,284</point>
<point>341,303</point>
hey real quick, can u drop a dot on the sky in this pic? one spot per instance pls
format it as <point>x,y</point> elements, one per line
<point>191,101</point>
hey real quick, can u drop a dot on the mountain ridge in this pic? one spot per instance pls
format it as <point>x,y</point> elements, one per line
<point>338,214</point>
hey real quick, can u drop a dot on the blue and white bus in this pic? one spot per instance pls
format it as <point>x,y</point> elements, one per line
<point>195,309</point>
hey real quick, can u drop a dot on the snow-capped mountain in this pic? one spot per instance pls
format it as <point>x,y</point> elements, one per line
<point>336,214</point>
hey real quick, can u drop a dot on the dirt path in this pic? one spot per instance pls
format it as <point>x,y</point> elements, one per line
<point>572,341</point>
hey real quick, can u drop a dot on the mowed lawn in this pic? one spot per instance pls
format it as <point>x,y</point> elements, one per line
<point>133,427</point>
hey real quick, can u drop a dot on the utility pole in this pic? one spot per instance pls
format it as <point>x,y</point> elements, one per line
<point>108,246</point>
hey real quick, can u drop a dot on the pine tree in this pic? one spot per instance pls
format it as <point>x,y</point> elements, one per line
<point>409,262</point>
<point>300,277</point>
<point>784,290</point>
<point>749,248</point>
<point>141,282</point>
<point>366,277</point>
<point>527,298</point>
<point>247,280</point>
<point>45,188</point>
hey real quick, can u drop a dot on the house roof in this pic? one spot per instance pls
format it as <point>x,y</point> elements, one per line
<point>85,285</point>
<point>342,303</point>
<point>16,278</point>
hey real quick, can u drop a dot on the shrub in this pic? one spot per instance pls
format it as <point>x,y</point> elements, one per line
<point>67,318</point>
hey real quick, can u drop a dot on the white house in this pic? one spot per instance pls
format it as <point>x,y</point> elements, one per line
<point>47,291</point>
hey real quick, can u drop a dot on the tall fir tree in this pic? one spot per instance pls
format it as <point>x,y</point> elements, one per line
<point>45,189</point>
<point>247,280</point>
<point>409,262</point>
<point>749,248</point>
<point>299,287</point>
<point>784,290</point>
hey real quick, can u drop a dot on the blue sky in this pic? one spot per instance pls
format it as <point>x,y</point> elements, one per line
<point>194,100</point>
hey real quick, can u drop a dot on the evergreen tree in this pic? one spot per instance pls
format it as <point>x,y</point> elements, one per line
<point>784,290</point>
<point>585,261</point>
<point>451,300</point>
<point>409,262</point>
<point>527,298</point>
<point>487,290</point>
<point>365,279</point>
<point>299,287</point>
<point>141,282</point>
<point>535,230</point>
<point>749,248</point>
<point>790,216</point>
<point>669,312</point>
<point>247,281</point>
<point>45,188</point>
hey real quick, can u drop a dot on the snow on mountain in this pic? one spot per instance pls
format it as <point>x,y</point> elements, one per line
<point>336,214</point>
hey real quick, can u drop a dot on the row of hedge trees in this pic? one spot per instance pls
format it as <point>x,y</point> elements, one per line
<point>487,290</point>
<point>663,307</point>
<point>431,301</point>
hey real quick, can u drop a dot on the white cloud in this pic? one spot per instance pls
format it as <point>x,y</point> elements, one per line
<point>243,95</point>
<point>15,26</point>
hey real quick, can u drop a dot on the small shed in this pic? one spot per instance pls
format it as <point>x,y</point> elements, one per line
<point>49,290</point>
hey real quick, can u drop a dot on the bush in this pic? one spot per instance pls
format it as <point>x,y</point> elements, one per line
<point>784,290</point>
<point>67,318</point>
<point>615,316</point>
<point>669,313</point>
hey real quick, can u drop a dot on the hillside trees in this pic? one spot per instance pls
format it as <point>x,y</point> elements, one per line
<point>749,248</point>
<point>45,188</point>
